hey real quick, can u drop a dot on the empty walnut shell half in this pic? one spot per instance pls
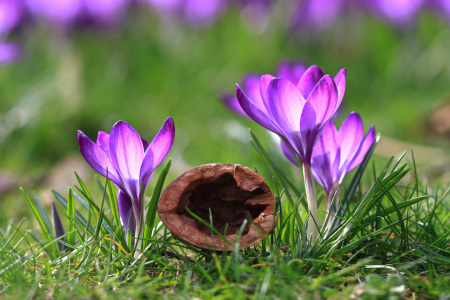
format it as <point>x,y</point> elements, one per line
<point>232,193</point>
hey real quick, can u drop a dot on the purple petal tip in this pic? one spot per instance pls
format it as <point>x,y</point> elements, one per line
<point>80,134</point>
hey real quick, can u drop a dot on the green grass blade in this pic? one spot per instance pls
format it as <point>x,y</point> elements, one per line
<point>346,199</point>
<point>275,170</point>
<point>71,219</point>
<point>113,202</point>
<point>207,224</point>
<point>372,218</point>
<point>78,216</point>
<point>44,215</point>
<point>52,250</point>
<point>152,206</point>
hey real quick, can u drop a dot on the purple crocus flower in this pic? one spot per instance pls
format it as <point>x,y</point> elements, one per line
<point>337,153</point>
<point>129,162</point>
<point>11,12</point>
<point>9,53</point>
<point>298,114</point>
<point>292,71</point>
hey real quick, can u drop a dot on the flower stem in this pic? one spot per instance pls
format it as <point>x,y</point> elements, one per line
<point>333,203</point>
<point>311,198</point>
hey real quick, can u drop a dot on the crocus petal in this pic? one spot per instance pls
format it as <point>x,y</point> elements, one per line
<point>321,168</point>
<point>286,104</point>
<point>367,142</point>
<point>157,151</point>
<point>318,110</point>
<point>144,144</point>
<point>264,86</point>
<point>255,113</point>
<point>233,104</point>
<point>328,141</point>
<point>97,158</point>
<point>350,137</point>
<point>126,212</point>
<point>309,80</point>
<point>326,156</point>
<point>288,153</point>
<point>292,71</point>
<point>340,80</point>
<point>251,85</point>
<point>323,99</point>
<point>103,141</point>
<point>127,153</point>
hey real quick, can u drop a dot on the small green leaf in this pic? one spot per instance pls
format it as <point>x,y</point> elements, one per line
<point>152,206</point>
<point>70,219</point>
<point>44,228</point>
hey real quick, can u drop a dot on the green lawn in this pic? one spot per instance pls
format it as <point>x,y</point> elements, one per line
<point>148,70</point>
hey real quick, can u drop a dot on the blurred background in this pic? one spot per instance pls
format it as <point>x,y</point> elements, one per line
<point>85,64</point>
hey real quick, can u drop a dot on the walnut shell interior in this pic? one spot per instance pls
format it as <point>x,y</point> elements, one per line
<point>230,194</point>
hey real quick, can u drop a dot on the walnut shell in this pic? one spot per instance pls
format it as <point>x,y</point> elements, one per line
<point>233,193</point>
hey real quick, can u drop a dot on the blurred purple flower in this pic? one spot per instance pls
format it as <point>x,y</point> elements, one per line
<point>399,12</point>
<point>129,162</point>
<point>9,53</point>
<point>57,12</point>
<point>166,6</point>
<point>203,12</point>
<point>265,3</point>
<point>105,12</point>
<point>11,12</point>
<point>441,7</point>
<point>256,14</point>
<point>317,13</point>
<point>195,12</point>
<point>250,84</point>
<point>292,71</point>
